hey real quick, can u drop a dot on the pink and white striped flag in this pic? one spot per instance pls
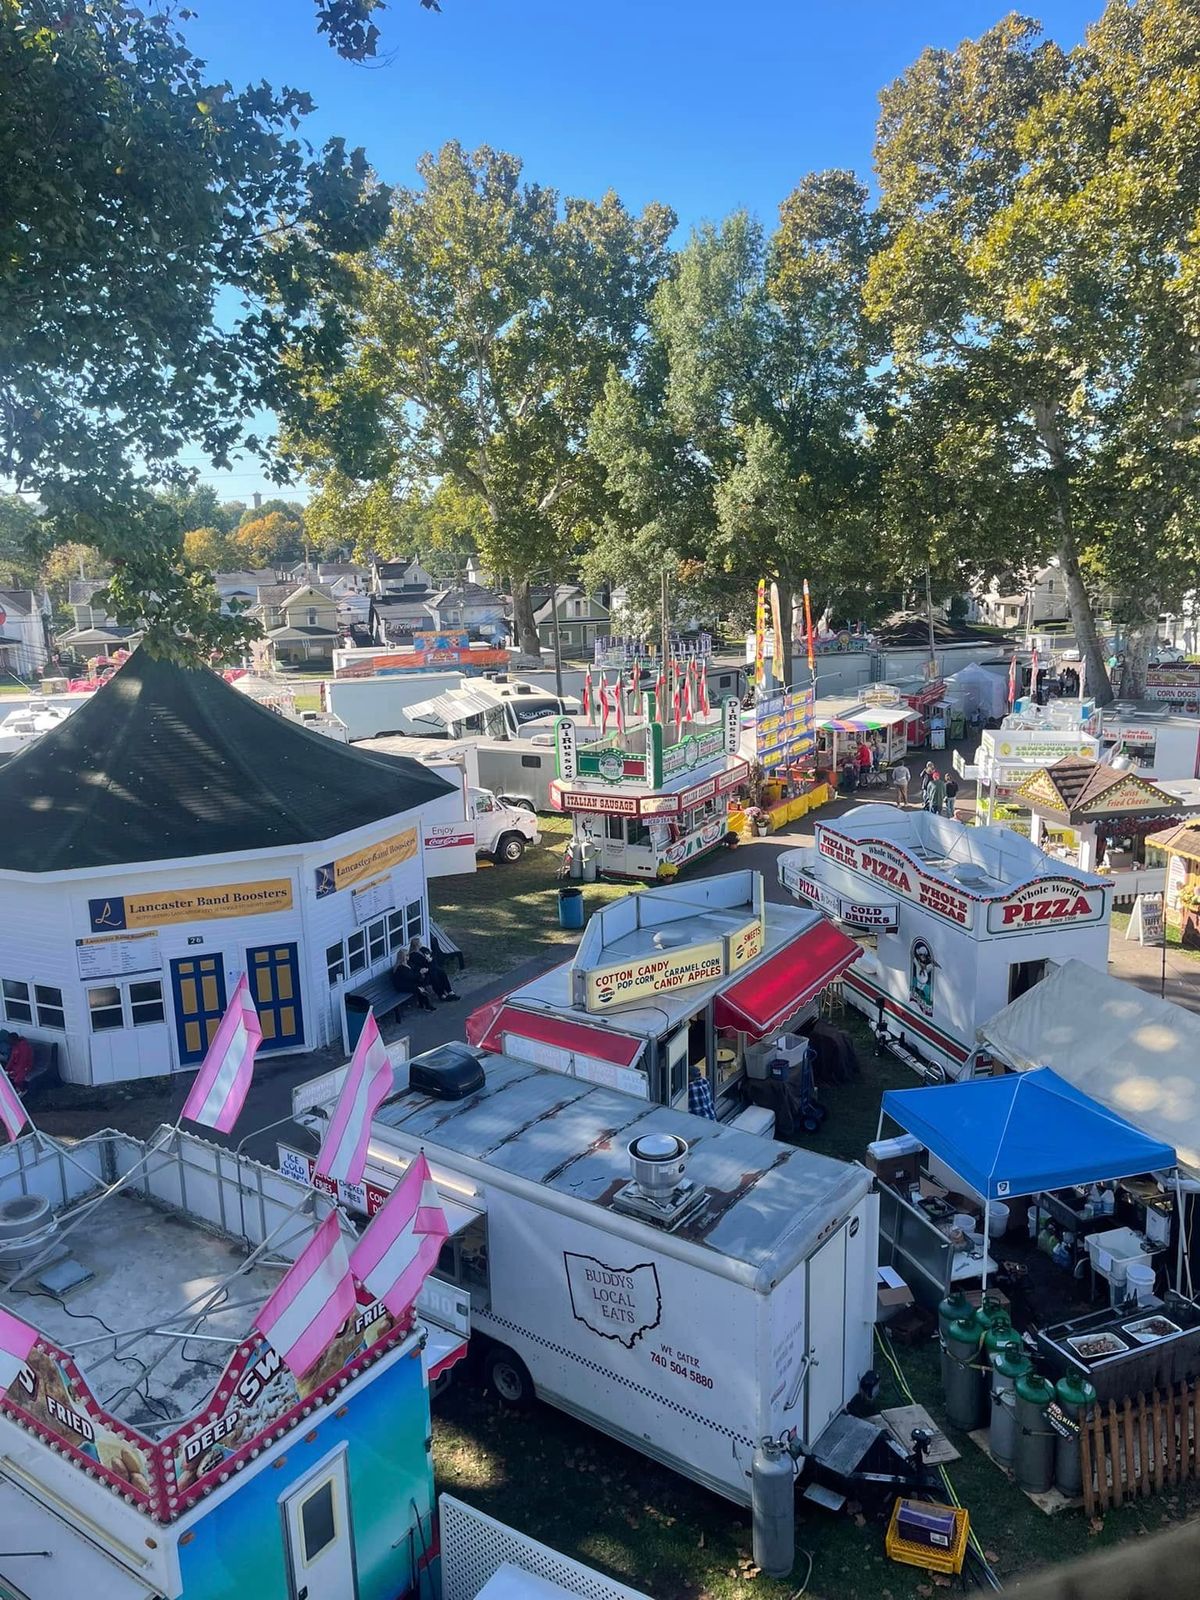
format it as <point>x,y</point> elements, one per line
<point>221,1085</point>
<point>314,1297</point>
<point>17,1339</point>
<point>368,1083</point>
<point>12,1108</point>
<point>401,1246</point>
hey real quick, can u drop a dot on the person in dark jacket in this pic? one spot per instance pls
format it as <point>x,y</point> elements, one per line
<point>407,981</point>
<point>430,970</point>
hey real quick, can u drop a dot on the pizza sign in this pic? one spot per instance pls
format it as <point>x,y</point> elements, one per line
<point>1048,903</point>
<point>883,865</point>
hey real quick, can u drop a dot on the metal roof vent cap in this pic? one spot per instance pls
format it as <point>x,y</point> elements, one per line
<point>656,1162</point>
<point>669,939</point>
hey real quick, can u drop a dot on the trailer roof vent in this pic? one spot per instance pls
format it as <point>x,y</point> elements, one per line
<point>970,873</point>
<point>451,1072</point>
<point>670,938</point>
<point>659,1192</point>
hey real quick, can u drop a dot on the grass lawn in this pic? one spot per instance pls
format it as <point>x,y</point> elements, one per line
<point>1120,921</point>
<point>562,1482</point>
<point>307,700</point>
<point>502,915</point>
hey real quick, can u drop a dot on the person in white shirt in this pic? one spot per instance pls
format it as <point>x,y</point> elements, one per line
<point>901,777</point>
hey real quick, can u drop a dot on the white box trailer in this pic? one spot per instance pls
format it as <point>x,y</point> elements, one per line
<point>373,706</point>
<point>728,1300</point>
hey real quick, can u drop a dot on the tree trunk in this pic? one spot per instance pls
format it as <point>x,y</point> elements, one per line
<point>524,626</point>
<point>1098,684</point>
<point>1139,643</point>
<point>781,618</point>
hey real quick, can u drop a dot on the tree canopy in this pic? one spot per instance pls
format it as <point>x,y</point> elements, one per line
<point>480,334</point>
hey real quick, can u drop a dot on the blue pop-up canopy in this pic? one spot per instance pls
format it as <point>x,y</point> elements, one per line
<point>1024,1132</point>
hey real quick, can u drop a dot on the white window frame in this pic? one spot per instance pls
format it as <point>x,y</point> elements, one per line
<point>126,1004</point>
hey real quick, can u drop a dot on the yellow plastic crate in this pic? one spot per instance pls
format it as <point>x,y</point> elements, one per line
<point>921,1555</point>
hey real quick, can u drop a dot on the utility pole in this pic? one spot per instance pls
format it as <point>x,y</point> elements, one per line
<point>665,606</point>
<point>557,641</point>
<point>933,672</point>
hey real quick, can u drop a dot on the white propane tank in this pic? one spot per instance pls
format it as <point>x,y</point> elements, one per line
<point>773,1504</point>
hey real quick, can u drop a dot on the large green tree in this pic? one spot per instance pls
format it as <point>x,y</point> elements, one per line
<point>738,443</point>
<point>134,191</point>
<point>1039,286</point>
<point>481,332</point>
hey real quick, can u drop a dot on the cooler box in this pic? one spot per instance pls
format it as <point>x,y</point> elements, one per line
<point>896,1162</point>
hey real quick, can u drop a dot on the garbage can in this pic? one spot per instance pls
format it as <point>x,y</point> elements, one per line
<point>1008,1364</point>
<point>1076,1400</point>
<point>1033,1461</point>
<point>966,1388</point>
<point>570,908</point>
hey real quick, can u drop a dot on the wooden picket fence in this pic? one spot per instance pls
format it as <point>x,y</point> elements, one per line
<point>1140,1447</point>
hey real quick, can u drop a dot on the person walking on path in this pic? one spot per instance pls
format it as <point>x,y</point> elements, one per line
<point>951,793</point>
<point>901,777</point>
<point>927,783</point>
<point>939,794</point>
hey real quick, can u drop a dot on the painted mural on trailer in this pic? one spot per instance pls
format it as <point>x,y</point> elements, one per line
<point>348,1516</point>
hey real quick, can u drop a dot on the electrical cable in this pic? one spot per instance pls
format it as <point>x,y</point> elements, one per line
<point>951,1493</point>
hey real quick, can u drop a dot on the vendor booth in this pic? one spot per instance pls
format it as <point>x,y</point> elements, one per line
<point>171,835</point>
<point>698,981</point>
<point>1110,810</point>
<point>1180,846</point>
<point>1096,1278</point>
<point>654,797</point>
<point>959,920</point>
<point>877,718</point>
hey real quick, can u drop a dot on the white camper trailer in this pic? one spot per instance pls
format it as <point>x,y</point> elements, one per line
<point>687,1288</point>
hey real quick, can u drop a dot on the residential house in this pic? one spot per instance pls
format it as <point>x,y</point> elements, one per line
<point>470,608</point>
<point>239,590</point>
<point>344,577</point>
<point>404,575</point>
<point>1013,604</point>
<point>395,618</point>
<point>300,624</point>
<point>96,632</point>
<point>23,640</point>
<point>581,619</point>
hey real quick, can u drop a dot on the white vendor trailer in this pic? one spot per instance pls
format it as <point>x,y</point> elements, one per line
<point>697,1292</point>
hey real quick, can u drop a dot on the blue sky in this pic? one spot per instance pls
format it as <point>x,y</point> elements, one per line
<point>706,105</point>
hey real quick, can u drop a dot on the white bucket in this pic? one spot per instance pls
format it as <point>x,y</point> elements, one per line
<point>1031,1220</point>
<point>965,1221</point>
<point>1139,1280</point>
<point>997,1219</point>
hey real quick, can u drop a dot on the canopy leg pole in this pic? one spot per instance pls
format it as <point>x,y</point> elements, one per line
<point>1180,1248</point>
<point>879,1126</point>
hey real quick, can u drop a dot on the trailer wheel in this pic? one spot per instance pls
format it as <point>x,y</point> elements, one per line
<point>510,849</point>
<point>508,1378</point>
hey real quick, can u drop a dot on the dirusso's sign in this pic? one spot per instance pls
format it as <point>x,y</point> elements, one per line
<point>1048,903</point>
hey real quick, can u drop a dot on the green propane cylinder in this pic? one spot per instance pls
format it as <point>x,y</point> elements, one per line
<point>1033,1461</point>
<point>1076,1399</point>
<point>954,1308</point>
<point>966,1386</point>
<point>1000,1334</point>
<point>1008,1364</point>
<point>991,1311</point>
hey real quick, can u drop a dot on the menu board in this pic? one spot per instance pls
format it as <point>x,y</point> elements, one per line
<point>783,727</point>
<point>112,955</point>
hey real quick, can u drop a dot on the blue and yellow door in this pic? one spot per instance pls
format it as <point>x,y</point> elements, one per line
<point>274,972</point>
<point>198,987</point>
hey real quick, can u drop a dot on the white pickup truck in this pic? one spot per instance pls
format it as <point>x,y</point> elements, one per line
<point>501,831</point>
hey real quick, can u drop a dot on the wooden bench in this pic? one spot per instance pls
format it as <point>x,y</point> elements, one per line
<point>444,947</point>
<point>381,995</point>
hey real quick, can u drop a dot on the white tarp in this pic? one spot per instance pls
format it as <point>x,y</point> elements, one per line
<point>978,689</point>
<point>1131,1051</point>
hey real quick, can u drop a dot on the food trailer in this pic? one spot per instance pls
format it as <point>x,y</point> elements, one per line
<point>961,920</point>
<point>702,978</point>
<point>649,805</point>
<point>678,1284</point>
<point>877,715</point>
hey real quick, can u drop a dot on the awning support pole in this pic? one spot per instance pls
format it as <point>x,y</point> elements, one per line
<point>1179,1217</point>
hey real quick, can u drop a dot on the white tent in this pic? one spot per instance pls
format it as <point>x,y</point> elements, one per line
<point>976,687</point>
<point>1134,1053</point>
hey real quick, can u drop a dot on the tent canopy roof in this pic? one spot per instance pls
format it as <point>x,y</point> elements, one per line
<point>1024,1132</point>
<point>167,761</point>
<point>1134,1053</point>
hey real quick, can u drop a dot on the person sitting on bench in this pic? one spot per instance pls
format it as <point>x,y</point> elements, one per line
<point>407,981</point>
<point>430,970</point>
